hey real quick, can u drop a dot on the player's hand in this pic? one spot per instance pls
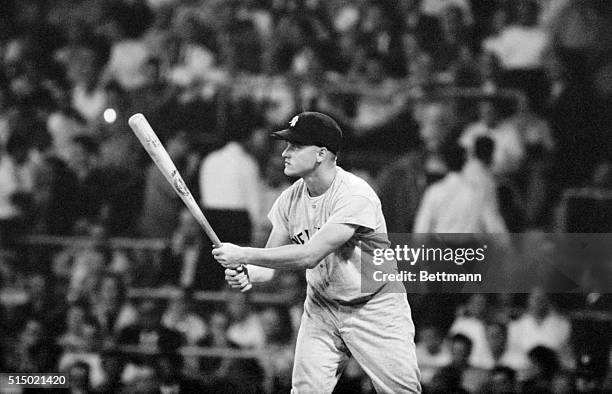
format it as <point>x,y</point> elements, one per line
<point>238,279</point>
<point>229,255</point>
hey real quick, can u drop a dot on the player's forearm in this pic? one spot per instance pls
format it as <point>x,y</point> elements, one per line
<point>287,257</point>
<point>259,274</point>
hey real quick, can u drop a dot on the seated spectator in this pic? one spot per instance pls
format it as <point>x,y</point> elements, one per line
<point>33,352</point>
<point>540,325</point>
<point>470,321</point>
<point>447,380</point>
<point>79,325</point>
<point>543,366</point>
<point>455,42</point>
<point>187,263</point>
<point>113,363</point>
<point>54,201</point>
<point>245,328</point>
<point>497,345</point>
<point>170,379</point>
<point>88,95</point>
<point>79,379</point>
<point>12,186</point>
<point>470,377</point>
<point>520,49</point>
<point>180,316</point>
<point>83,265</point>
<point>110,309</point>
<point>501,380</point>
<point>431,352</point>
<point>83,161</point>
<point>41,304</point>
<point>278,361</point>
<point>81,344</point>
<point>435,8</point>
<point>148,331</point>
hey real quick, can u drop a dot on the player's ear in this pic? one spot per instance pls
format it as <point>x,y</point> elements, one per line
<point>321,154</point>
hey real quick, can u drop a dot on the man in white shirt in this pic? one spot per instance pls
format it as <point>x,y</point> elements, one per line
<point>465,201</point>
<point>509,147</point>
<point>230,188</point>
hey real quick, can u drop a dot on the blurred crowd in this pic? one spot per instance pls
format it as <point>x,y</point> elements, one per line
<point>467,116</point>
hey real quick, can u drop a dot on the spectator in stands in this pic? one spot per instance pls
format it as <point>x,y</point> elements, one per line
<point>470,377</point>
<point>84,72</point>
<point>81,343</point>
<point>455,40</point>
<point>79,324</point>
<point>42,305</point>
<point>501,380</point>
<point>471,322</point>
<point>33,352</point>
<point>187,264</point>
<point>245,329</point>
<point>465,201</point>
<point>83,161</point>
<point>180,316</point>
<point>540,325</point>
<point>13,187</point>
<point>111,309</point>
<point>230,185</point>
<point>54,201</point>
<point>431,352</point>
<point>83,265</point>
<point>543,366</point>
<point>497,344</point>
<point>402,183</point>
<point>79,379</point>
<point>148,332</point>
<point>161,205</point>
<point>170,378</point>
<point>278,361</point>
<point>113,363</point>
<point>447,380</point>
<point>539,149</point>
<point>520,48</point>
<point>509,147</point>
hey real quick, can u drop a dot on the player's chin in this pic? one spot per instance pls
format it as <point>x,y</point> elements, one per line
<point>289,171</point>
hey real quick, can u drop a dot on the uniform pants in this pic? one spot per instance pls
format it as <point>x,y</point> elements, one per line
<point>379,334</point>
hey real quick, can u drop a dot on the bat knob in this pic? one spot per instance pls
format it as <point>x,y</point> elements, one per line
<point>248,286</point>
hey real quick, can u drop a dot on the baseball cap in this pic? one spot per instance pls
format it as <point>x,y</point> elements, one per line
<point>312,128</point>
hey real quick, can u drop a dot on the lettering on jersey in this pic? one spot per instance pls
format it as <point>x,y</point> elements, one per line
<point>302,237</point>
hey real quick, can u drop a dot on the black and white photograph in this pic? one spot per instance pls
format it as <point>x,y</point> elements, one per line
<point>306,196</point>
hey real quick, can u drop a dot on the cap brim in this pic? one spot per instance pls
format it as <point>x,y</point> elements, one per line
<point>288,135</point>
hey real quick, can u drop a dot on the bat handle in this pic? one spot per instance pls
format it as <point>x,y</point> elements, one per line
<point>249,286</point>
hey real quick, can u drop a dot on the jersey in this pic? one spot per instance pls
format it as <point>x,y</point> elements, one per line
<point>349,200</point>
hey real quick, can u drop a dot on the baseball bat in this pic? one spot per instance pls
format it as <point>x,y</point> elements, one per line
<point>149,140</point>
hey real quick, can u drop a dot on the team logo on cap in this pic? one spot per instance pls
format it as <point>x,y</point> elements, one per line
<point>294,121</point>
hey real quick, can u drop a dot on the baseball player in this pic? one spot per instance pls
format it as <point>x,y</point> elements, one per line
<point>322,223</point>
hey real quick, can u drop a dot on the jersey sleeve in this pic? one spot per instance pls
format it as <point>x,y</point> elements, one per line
<point>355,210</point>
<point>279,213</point>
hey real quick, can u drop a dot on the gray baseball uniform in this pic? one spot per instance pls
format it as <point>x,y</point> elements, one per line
<point>339,320</point>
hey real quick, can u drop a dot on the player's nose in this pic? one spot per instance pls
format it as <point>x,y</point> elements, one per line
<point>285,153</point>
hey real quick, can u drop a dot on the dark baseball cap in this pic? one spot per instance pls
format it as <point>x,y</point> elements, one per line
<point>312,128</point>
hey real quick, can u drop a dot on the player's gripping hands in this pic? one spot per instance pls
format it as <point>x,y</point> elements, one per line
<point>238,279</point>
<point>232,258</point>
